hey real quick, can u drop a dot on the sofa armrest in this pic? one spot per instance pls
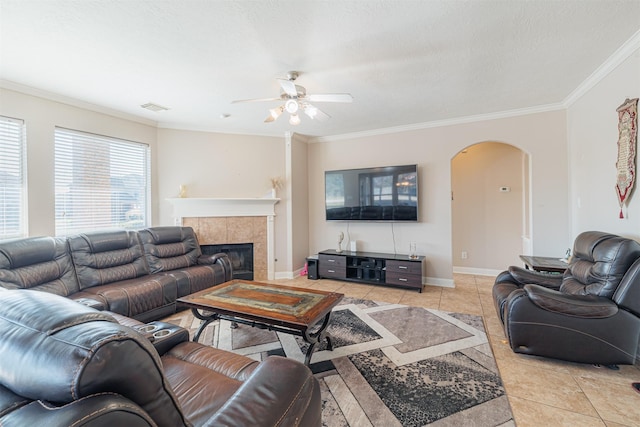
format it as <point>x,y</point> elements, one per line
<point>90,300</point>
<point>221,259</point>
<point>524,276</point>
<point>279,392</point>
<point>210,259</point>
<point>95,410</point>
<point>584,306</point>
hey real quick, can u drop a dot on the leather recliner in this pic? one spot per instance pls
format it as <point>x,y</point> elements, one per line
<point>588,314</point>
<point>63,363</point>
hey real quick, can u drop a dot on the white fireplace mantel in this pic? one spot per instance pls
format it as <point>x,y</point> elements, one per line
<point>192,207</point>
<point>215,207</point>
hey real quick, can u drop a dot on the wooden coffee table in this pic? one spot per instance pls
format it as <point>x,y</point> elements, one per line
<point>286,309</point>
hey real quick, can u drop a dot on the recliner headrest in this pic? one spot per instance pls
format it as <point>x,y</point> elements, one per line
<point>29,251</point>
<point>164,235</point>
<point>105,241</point>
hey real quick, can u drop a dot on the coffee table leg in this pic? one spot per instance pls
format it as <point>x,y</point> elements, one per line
<point>205,322</point>
<point>313,338</point>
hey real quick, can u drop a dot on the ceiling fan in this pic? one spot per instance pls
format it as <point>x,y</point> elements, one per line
<point>296,100</point>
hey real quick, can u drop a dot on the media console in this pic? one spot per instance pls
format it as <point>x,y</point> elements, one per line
<point>371,267</point>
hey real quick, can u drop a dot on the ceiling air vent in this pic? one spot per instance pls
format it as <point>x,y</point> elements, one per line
<point>154,107</point>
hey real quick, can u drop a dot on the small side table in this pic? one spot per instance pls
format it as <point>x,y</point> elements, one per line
<point>544,264</point>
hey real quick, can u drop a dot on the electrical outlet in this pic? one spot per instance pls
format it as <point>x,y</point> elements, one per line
<point>463,255</point>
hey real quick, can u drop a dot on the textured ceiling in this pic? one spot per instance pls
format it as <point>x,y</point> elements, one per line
<point>405,62</point>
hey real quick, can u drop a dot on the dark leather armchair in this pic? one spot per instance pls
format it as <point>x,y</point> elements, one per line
<point>588,314</point>
<point>63,363</point>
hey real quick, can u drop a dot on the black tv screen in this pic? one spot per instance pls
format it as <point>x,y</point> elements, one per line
<point>372,194</point>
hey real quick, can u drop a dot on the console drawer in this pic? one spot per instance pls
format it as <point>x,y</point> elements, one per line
<point>404,267</point>
<point>329,271</point>
<point>403,279</point>
<point>332,260</point>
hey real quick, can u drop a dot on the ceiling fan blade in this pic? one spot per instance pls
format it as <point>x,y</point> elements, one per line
<point>255,100</point>
<point>288,87</point>
<point>330,97</point>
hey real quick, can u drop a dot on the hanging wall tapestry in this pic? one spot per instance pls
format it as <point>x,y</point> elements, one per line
<point>626,164</point>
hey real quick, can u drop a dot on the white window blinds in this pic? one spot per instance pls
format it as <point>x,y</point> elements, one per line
<point>100,183</point>
<point>12,179</point>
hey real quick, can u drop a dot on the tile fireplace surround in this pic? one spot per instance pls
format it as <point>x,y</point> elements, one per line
<point>226,221</point>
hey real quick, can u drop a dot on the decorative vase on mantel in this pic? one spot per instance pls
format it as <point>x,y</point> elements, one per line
<point>273,193</point>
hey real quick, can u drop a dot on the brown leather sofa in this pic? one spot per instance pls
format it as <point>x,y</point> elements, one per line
<point>66,364</point>
<point>588,314</point>
<point>114,270</point>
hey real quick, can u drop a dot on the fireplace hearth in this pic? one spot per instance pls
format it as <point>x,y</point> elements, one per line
<point>240,255</point>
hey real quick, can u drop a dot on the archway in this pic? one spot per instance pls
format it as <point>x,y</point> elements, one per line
<point>490,207</point>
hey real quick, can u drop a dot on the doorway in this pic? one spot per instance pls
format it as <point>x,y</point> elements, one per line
<point>489,207</point>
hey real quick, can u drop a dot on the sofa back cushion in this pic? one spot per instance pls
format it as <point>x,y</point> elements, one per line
<point>170,248</point>
<point>56,350</point>
<point>105,257</point>
<point>39,263</point>
<point>599,262</point>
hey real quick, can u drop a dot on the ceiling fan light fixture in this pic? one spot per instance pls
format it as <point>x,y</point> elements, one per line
<point>275,112</point>
<point>294,120</point>
<point>291,106</point>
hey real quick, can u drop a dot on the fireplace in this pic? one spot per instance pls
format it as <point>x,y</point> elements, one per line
<point>225,221</point>
<point>240,255</point>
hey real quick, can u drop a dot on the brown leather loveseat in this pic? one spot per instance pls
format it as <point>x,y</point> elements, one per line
<point>115,270</point>
<point>66,364</point>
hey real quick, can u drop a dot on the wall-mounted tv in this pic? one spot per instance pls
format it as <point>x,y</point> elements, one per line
<point>387,193</point>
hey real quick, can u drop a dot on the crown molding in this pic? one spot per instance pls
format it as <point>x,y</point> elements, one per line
<point>617,58</point>
<point>442,123</point>
<point>28,90</point>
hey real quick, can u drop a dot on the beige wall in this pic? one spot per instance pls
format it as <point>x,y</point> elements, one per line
<point>592,141</point>
<point>482,214</point>
<point>299,206</point>
<point>542,136</point>
<point>222,166</point>
<point>41,117</point>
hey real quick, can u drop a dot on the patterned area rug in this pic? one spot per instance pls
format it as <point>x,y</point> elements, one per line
<point>391,365</point>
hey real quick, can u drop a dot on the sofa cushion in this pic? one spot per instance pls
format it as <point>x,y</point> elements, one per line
<point>170,248</point>
<point>105,257</point>
<point>143,298</point>
<point>39,263</point>
<point>599,262</point>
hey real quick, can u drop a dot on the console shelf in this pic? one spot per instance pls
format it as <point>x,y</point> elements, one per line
<point>372,268</point>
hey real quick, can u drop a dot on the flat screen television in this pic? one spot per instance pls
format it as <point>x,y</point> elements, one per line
<point>387,193</point>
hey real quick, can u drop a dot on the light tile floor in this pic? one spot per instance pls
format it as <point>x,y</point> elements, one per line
<point>542,392</point>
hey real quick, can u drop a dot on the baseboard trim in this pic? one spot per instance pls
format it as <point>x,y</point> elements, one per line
<point>435,281</point>
<point>476,271</point>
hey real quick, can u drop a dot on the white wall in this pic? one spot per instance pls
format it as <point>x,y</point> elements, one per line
<point>41,117</point>
<point>592,140</point>
<point>542,136</point>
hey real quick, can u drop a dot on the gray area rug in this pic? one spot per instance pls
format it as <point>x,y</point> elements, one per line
<point>391,365</point>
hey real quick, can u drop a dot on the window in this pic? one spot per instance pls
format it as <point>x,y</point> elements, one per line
<point>100,182</point>
<point>12,179</point>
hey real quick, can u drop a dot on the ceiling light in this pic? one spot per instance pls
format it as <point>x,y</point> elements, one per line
<point>294,120</point>
<point>274,113</point>
<point>291,106</point>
